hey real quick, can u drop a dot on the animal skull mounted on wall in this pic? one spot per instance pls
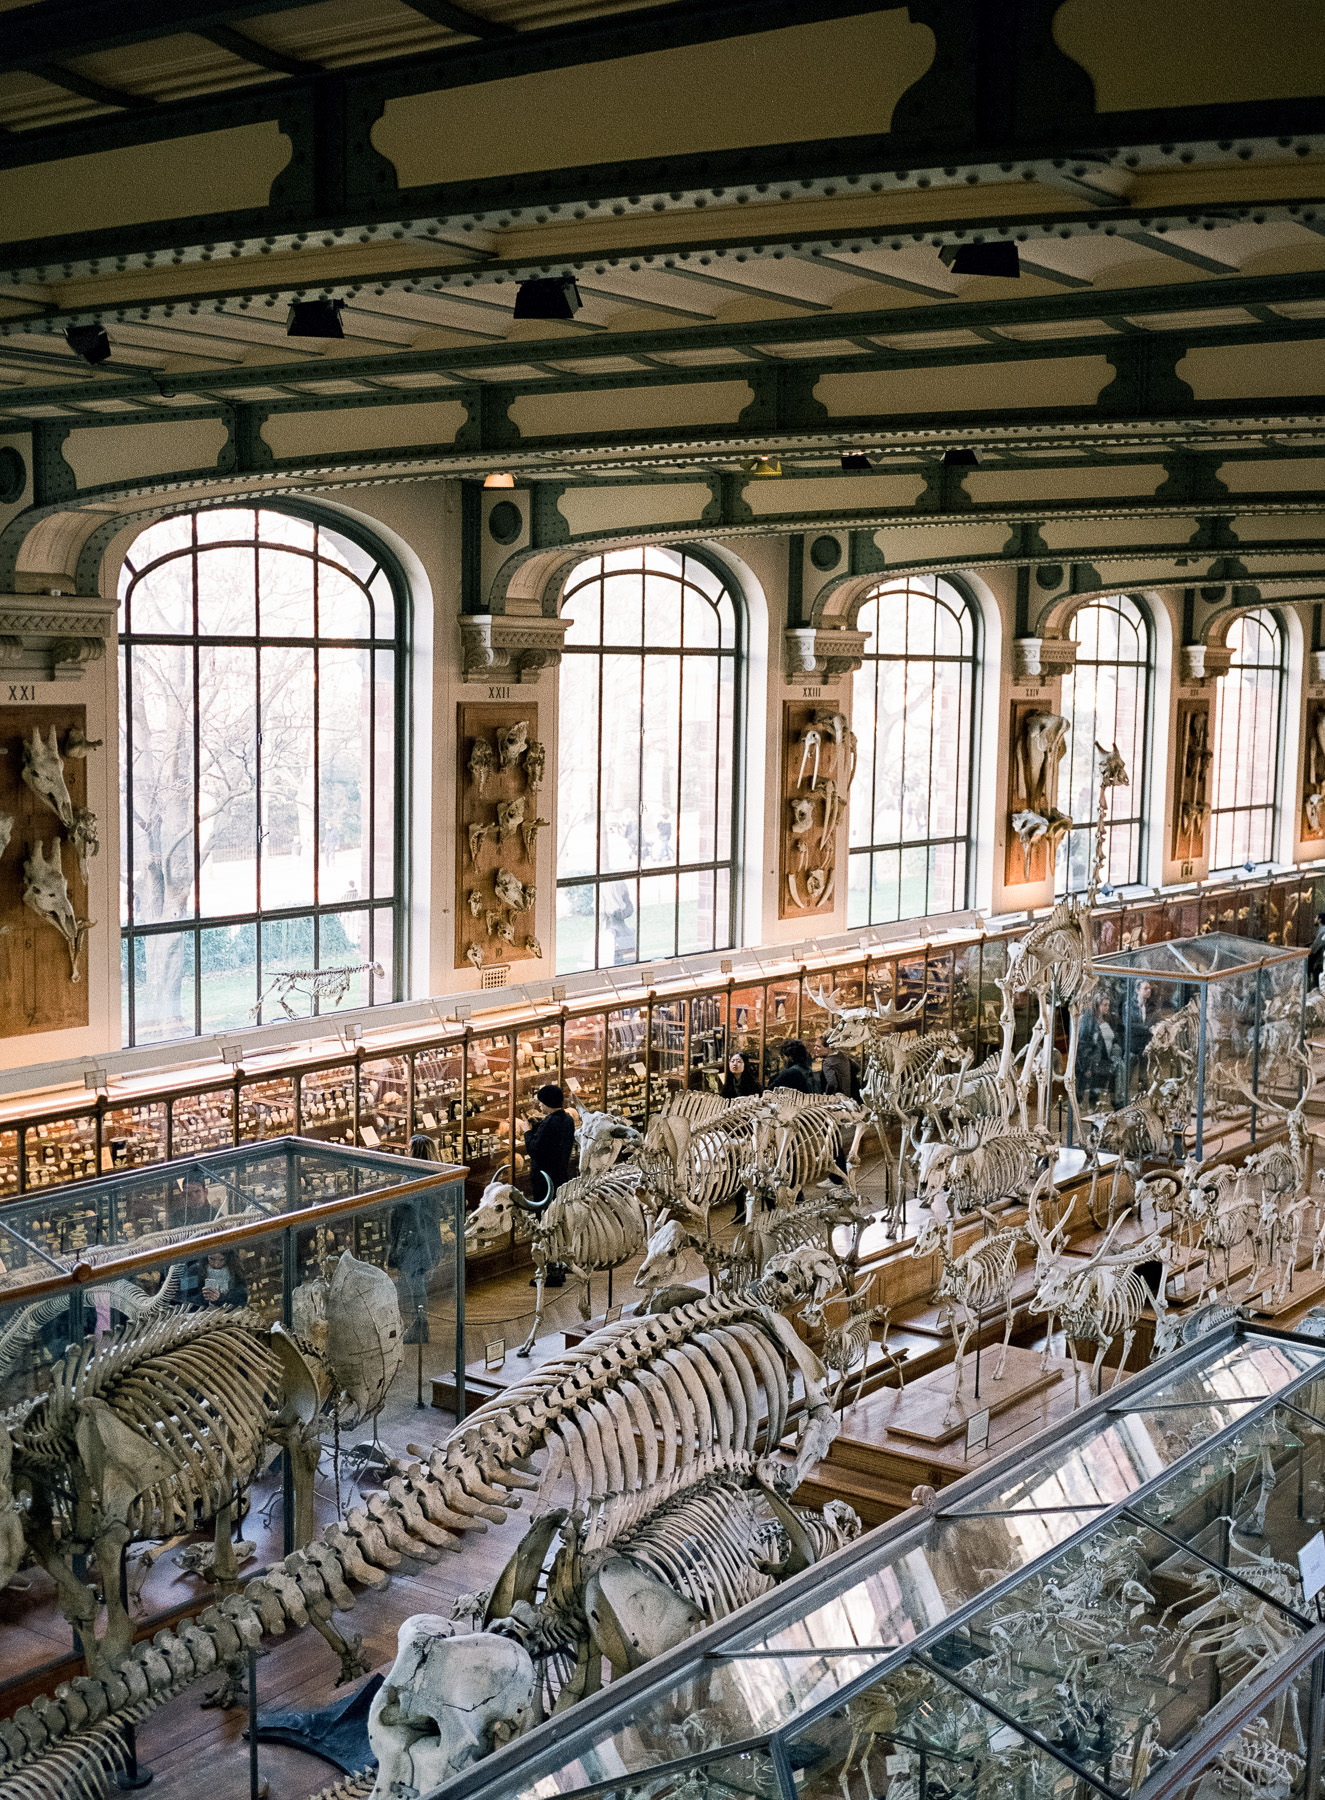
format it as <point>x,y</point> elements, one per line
<point>510,818</point>
<point>512,742</point>
<point>46,892</point>
<point>43,772</point>
<point>482,761</point>
<point>535,761</point>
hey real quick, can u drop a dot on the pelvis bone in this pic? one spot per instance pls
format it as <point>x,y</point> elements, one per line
<point>43,772</point>
<point>46,892</point>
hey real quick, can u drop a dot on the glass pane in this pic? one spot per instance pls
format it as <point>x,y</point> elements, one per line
<point>58,1151</point>
<point>163,600</point>
<point>204,1121</point>
<point>384,605</point>
<point>381,773</point>
<point>228,977</point>
<point>287,724</point>
<point>219,524</point>
<point>912,1732</point>
<point>133,1135</point>
<point>285,594</point>
<point>163,996</point>
<point>228,724</point>
<point>577,783</point>
<point>345,790</point>
<point>226,605</point>
<point>658,915</point>
<point>576,922</point>
<point>162,772</point>
<point>618,921</point>
<point>342,606</point>
<point>266,1109</point>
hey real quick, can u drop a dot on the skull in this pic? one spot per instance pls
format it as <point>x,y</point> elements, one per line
<point>365,1345</point>
<point>447,1702</point>
<point>494,1215</point>
<point>663,1256</point>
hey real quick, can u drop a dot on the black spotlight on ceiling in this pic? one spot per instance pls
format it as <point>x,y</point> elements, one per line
<point>960,459</point>
<point>982,259</point>
<point>315,318</point>
<point>89,341</point>
<point>856,459</point>
<point>547,297</point>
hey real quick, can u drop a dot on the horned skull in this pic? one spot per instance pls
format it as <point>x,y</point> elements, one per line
<point>494,1216</point>
<point>447,1702</point>
<point>46,892</point>
<point>43,772</point>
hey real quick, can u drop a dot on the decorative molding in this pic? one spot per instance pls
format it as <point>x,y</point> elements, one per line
<point>1042,659</point>
<point>823,650</point>
<point>1203,662</point>
<point>495,646</point>
<point>56,634</point>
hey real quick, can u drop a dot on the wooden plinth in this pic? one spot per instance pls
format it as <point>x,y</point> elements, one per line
<point>924,1410</point>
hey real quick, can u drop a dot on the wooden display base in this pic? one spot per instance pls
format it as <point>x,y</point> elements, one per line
<point>925,1412</point>
<point>1307,1290</point>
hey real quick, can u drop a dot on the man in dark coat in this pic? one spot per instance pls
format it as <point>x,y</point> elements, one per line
<point>548,1142</point>
<point>797,1071</point>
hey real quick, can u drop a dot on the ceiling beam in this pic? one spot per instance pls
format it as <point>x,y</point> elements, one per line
<point>74,83</point>
<point>239,43</point>
<point>1235,292</point>
<point>59,28</point>
<point>460,18</point>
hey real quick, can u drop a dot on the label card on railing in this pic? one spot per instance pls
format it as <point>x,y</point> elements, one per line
<point>572,1084</point>
<point>977,1432</point>
<point>612,1314</point>
<point>369,1136</point>
<point>494,1354</point>
<point>1311,1561</point>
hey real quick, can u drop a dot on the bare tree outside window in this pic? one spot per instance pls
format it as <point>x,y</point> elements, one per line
<point>1245,772</point>
<point>1106,696</point>
<point>911,709</point>
<point>261,694</point>
<point>646,815</point>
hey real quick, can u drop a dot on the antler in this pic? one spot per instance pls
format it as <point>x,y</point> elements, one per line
<point>824,1001</point>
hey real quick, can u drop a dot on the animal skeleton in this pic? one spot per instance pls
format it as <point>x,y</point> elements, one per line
<point>512,742</point>
<point>593,1224</point>
<point>512,892</point>
<point>529,832</point>
<point>482,761</point>
<point>474,901</point>
<point>478,836</point>
<point>43,772</point>
<point>499,926</point>
<point>636,1371</point>
<point>1113,773</point>
<point>85,839</point>
<point>846,1345</point>
<point>77,745</point>
<point>1040,747</point>
<point>972,1281</point>
<point>802,823</point>
<point>474,954</point>
<point>46,892</point>
<point>315,985</point>
<point>7,823</point>
<point>534,947</point>
<point>984,1166</point>
<point>535,759</point>
<point>1098,1298</point>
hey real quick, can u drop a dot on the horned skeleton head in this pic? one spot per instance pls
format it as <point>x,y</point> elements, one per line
<point>46,892</point>
<point>512,742</point>
<point>43,772</point>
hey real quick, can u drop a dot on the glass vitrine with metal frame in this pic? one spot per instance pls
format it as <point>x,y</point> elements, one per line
<point>1208,1030</point>
<point>1116,1609</point>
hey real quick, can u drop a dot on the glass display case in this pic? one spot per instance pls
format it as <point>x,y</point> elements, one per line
<point>1115,1609</point>
<point>1203,1027</point>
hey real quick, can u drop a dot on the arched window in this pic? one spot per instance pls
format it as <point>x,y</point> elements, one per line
<point>912,706</point>
<point>1245,773</point>
<point>646,815</point>
<point>261,709</point>
<point>1107,698</point>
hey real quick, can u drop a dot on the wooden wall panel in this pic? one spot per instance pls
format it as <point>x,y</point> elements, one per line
<point>479,861</point>
<point>804,857</point>
<point>36,992</point>
<point>1193,749</point>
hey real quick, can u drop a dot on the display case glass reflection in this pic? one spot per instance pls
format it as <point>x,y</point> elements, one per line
<point>326,1104</point>
<point>582,1061</point>
<point>133,1136</point>
<point>266,1109</point>
<point>439,1106</point>
<point>60,1150</point>
<point>384,1103</point>
<point>490,1061</point>
<point>627,1065</point>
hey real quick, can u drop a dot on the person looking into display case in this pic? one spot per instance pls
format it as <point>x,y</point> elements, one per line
<point>548,1140</point>
<point>740,1077</point>
<point>797,1071</point>
<point>222,1281</point>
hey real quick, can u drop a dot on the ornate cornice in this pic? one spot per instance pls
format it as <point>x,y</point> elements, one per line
<point>496,647</point>
<point>1203,662</point>
<point>58,634</point>
<point>822,650</point>
<point>1042,659</point>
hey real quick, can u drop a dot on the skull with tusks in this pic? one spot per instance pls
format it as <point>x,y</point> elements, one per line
<point>447,1702</point>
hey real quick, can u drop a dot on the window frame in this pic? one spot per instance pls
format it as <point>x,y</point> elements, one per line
<point>193,641</point>
<point>972,660</point>
<point>729,858</point>
<point>1272,807</point>
<point>1137,778</point>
